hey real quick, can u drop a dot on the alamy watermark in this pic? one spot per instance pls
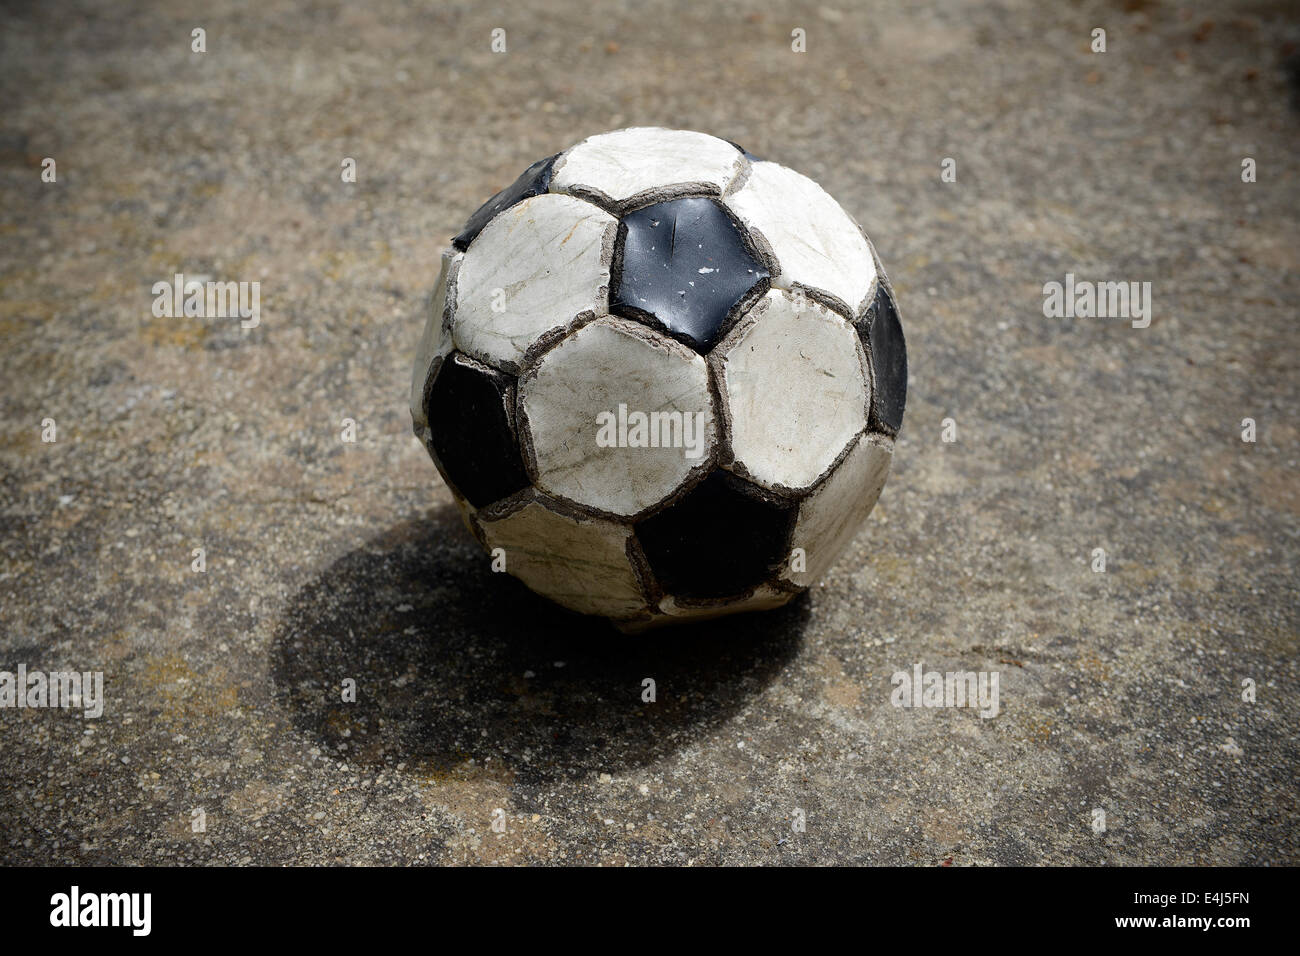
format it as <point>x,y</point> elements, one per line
<point>922,688</point>
<point>1084,299</point>
<point>208,299</point>
<point>67,689</point>
<point>624,429</point>
<point>130,910</point>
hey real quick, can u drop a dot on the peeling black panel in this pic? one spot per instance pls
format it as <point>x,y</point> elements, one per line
<point>536,179</point>
<point>717,541</point>
<point>470,431</point>
<point>684,265</point>
<point>888,359</point>
<point>748,155</point>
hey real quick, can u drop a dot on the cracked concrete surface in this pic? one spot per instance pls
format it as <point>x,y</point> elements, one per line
<point>326,561</point>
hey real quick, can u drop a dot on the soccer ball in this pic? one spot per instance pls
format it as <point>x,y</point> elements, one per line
<point>663,377</point>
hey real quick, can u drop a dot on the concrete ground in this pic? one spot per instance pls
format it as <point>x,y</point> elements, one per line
<point>1121,691</point>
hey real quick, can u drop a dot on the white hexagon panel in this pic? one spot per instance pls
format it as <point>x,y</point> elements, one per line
<point>618,169</point>
<point>795,387</point>
<point>818,246</point>
<point>581,562</point>
<point>616,417</point>
<point>831,516</point>
<point>535,268</point>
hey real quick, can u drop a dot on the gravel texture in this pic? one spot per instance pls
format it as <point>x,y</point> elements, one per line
<point>1120,691</point>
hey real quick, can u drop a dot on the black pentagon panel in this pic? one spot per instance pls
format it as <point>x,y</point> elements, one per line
<point>470,434</point>
<point>536,179</point>
<point>717,541</point>
<point>685,267</point>
<point>884,334</point>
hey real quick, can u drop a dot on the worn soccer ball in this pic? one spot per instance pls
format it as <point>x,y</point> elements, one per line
<point>663,377</point>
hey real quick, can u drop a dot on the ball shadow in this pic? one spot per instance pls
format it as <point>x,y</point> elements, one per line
<point>453,662</point>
